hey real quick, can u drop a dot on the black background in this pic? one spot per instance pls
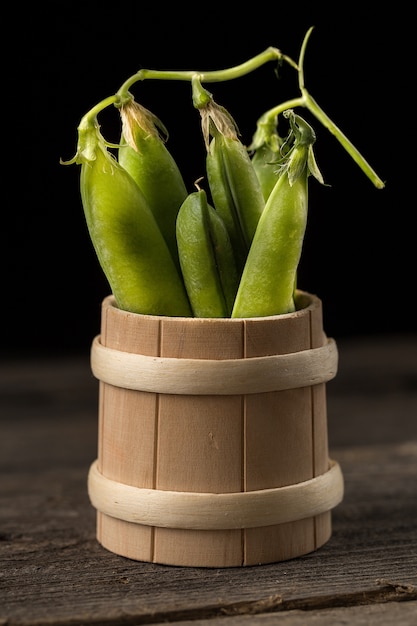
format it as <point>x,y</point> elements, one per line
<point>359,252</point>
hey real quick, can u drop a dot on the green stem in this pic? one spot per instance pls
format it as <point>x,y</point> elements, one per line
<point>270,54</point>
<point>301,59</point>
<point>89,118</point>
<point>318,112</point>
<point>308,102</point>
<point>269,116</point>
<point>201,97</point>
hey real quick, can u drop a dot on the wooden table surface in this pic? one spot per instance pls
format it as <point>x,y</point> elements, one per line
<point>53,571</point>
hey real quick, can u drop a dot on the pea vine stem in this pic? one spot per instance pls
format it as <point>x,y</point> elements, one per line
<point>270,54</point>
<point>307,101</point>
<point>90,117</point>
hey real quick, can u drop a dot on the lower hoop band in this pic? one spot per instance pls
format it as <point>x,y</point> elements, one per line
<point>216,511</point>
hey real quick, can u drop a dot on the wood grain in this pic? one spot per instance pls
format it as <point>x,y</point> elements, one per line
<point>53,571</point>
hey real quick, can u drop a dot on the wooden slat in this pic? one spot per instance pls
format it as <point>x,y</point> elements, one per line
<point>387,614</point>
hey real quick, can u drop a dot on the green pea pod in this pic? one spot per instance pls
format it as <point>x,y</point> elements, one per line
<point>207,259</point>
<point>235,191</point>
<point>267,283</point>
<point>144,155</point>
<point>129,245</point>
<point>234,186</point>
<point>265,162</point>
<point>269,278</point>
<point>266,154</point>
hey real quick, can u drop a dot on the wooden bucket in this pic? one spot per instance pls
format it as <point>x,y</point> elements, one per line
<point>213,448</point>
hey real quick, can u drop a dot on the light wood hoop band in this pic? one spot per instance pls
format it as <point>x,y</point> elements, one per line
<point>216,511</point>
<point>214,377</point>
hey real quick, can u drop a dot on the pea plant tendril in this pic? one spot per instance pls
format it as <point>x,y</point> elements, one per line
<point>305,100</point>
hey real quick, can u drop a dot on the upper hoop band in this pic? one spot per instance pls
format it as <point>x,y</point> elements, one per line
<point>215,377</point>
